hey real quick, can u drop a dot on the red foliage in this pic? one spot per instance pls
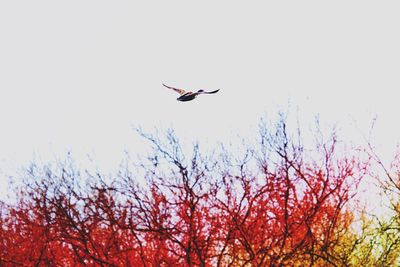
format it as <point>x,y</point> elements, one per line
<point>203,213</point>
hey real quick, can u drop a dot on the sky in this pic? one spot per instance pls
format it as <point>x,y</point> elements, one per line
<point>80,75</point>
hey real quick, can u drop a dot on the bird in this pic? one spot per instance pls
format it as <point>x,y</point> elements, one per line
<point>188,96</point>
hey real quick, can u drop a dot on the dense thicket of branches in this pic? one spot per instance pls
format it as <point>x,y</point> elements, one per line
<point>275,204</point>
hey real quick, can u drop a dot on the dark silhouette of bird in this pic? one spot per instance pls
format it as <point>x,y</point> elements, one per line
<point>187,96</point>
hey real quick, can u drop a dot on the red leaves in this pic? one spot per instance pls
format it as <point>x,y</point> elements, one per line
<point>291,212</point>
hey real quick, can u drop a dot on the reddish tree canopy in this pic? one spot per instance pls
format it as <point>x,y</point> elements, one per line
<point>279,205</point>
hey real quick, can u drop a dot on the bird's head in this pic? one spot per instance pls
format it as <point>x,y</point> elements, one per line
<point>200,91</point>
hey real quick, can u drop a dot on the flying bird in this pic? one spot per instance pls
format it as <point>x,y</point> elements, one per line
<point>187,96</point>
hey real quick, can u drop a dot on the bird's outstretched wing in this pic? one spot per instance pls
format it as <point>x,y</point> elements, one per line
<point>211,92</point>
<point>180,91</point>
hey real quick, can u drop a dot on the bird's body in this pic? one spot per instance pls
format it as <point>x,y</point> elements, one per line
<point>188,96</point>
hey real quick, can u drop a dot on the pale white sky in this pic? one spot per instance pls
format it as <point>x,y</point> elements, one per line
<point>77,75</point>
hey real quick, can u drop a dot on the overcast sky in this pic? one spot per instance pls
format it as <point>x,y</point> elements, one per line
<point>78,75</point>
